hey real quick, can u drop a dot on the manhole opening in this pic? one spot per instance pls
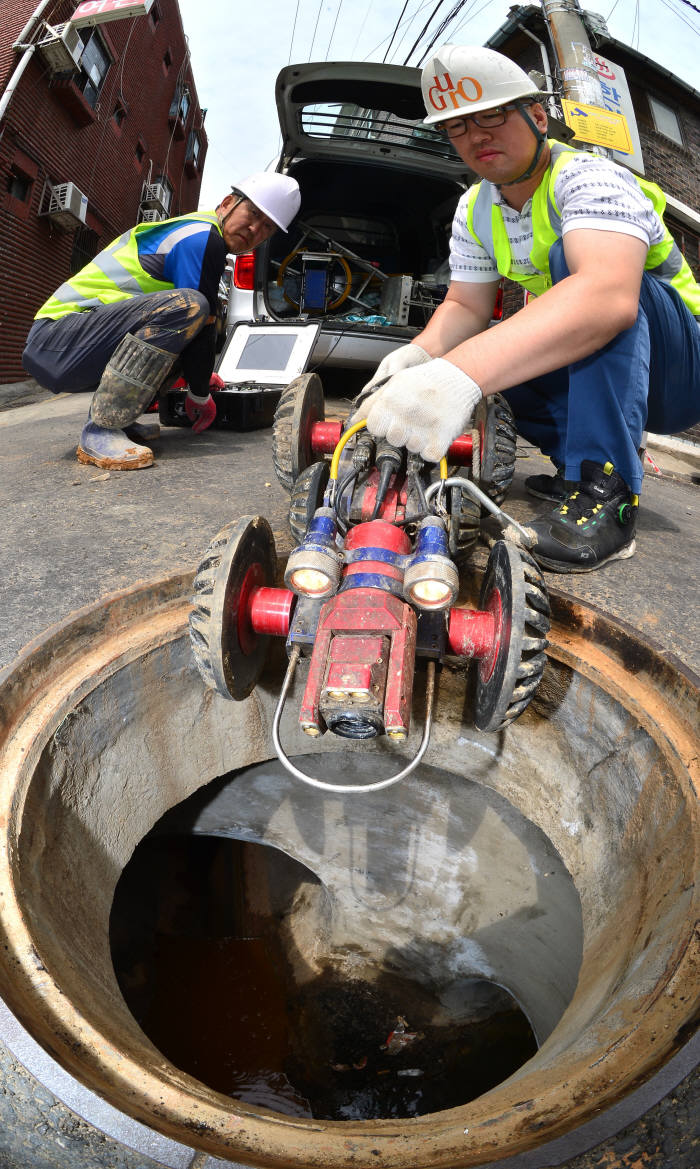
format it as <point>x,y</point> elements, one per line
<point>203,945</point>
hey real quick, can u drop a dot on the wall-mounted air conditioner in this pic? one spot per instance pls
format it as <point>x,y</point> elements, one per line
<point>61,47</point>
<point>155,196</point>
<point>152,216</point>
<point>65,205</point>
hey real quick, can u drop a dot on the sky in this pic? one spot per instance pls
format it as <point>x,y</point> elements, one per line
<point>239,46</point>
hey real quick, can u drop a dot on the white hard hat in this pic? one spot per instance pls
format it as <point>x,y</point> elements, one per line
<point>276,195</point>
<point>463,79</point>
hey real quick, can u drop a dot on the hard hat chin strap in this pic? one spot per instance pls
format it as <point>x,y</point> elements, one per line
<point>541,140</point>
<point>240,199</point>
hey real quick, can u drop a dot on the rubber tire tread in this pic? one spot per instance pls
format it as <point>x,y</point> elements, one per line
<point>533,657</point>
<point>306,496</point>
<point>500,438</point>
<point>465,523</point>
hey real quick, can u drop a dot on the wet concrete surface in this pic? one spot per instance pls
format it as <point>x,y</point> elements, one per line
<point>73,534</point>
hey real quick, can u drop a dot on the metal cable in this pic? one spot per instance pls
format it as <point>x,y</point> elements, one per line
<point>350,788</point>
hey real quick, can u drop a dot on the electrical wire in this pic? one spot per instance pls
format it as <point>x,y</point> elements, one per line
<point>294,28</point>
<point>408,22</point>
<point>340,5</point>
<point>362,28</point>
<point>469,17</point>
<point>423,31</point>
<point>681,16</point>
<point>442,28</point>
<point>318,17</point>
<point>396,29</point>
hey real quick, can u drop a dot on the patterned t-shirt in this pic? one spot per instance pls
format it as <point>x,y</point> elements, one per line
<point>590,192</point>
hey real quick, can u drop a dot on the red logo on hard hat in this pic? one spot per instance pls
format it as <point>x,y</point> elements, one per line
<point>441,95</point>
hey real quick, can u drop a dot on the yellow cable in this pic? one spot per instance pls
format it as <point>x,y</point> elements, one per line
<point>343,439</point>
<point>348,435</point>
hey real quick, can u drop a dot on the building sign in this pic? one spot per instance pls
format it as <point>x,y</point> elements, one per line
<point>100,11</point>
<point>597,126</point>
<point>616,98</point>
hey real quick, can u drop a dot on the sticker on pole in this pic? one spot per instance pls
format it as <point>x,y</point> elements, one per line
<point>598,126</point>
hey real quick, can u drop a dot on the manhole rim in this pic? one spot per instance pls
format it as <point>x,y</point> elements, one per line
<point>152,1108</point>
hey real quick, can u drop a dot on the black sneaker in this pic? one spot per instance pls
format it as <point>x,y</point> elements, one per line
<point>594,524</point>
<point>552,487</point>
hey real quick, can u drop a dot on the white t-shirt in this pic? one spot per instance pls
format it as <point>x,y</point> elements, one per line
<point>592,192</point>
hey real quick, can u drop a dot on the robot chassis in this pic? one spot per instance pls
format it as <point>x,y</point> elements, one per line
<point>372,586</point>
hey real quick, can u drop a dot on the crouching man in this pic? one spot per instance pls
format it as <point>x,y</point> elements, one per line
<point>608,344</point>
<point>117,327</point>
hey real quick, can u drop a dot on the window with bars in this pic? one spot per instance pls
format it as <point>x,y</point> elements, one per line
<point>94,65</point>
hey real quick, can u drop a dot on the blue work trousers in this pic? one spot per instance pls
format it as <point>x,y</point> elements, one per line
<point>646,378</point>
<point>69,354</point>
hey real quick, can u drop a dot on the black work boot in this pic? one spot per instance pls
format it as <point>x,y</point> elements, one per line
<point>593,525</point>
<point>553,487</point>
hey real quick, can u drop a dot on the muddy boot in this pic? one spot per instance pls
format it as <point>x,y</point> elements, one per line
<point>131,378</point>
<point>111,449</point>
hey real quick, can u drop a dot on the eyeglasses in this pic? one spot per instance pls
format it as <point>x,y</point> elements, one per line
<point>257,217</point>
<point>486,120</point>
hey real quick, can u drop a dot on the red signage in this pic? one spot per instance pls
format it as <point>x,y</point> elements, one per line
<point>100,11</point>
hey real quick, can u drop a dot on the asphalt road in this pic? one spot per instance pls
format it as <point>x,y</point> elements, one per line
<point>73,534</point>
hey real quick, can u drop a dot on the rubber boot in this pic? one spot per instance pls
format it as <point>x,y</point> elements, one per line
<point>131,379</point>
<point>111,449</point>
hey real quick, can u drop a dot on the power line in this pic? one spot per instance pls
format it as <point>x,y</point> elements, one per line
<point>443,27</point>
<point>408,22</point>
<point>471,16</point>
<point>294,29</point>
<point>396,29</point>
<point>318,15</point>
<point>362,27</point>
<point>682,17</point>
<point>423,31</point>
<point>340,5</point>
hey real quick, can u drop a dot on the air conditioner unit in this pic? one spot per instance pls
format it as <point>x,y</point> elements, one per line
<point>155,196</point>
<point>67,206</point>
<point>152,216</point>
<point>61,47</point>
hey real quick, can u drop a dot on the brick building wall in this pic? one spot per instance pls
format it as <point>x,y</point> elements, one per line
<point>52,133</point>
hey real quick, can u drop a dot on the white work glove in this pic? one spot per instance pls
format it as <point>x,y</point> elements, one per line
<point>402,358</point>
<point>423,409</point>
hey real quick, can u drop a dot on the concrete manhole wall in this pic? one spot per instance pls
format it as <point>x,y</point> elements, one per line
<point>109,727</point>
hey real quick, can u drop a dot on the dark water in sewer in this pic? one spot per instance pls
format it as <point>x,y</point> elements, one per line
<point>206,977</point>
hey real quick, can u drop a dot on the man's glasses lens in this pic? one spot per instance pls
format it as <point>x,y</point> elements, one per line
<point>486,119</point>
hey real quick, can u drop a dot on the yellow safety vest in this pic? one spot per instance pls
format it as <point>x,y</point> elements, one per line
<point>485,223</point>
<point>115,274</point>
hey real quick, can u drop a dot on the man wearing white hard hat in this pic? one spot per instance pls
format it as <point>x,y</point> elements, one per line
<point>117,327</point>
<point>608,343</point>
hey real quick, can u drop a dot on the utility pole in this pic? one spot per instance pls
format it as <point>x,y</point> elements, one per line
<point>574,56</point>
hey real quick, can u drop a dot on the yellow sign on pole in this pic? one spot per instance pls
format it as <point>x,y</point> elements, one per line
<point>598,126</point>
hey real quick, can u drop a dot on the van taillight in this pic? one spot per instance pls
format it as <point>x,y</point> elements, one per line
<point>244,272</point>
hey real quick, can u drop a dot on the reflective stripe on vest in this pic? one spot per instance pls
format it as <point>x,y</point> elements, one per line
<point>485,223</point>
<point>115,274</point>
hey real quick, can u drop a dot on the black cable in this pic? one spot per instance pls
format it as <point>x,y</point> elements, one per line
<point>442,28</point>
<point>396,29</point>
<point>342,488</point>
<point>423,31</point>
